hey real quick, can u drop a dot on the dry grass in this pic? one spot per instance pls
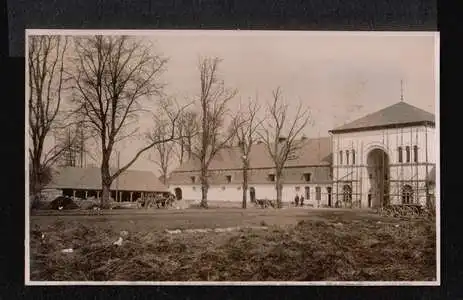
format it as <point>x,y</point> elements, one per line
<point>321,246</point>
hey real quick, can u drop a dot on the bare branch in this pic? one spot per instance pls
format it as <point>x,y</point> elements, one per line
<point>45,67</point>
<point>212,137</point>
<point>282,138</point>
<point>114,77</point>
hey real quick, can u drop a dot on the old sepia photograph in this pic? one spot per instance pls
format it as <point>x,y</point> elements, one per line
<point>232,157</point>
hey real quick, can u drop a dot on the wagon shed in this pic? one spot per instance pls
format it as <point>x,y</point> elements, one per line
<point>86,182</point>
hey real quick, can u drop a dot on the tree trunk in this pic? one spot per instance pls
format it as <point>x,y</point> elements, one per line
<point>35,186</point>
<point>279,187</point>
<point>245,186</point>
<point>106,185</point>
<point>105,196</point>
<point>204,187</point>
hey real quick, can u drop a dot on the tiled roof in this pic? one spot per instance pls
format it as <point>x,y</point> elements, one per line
<point>314,152</point>
<point>90,178</point>
<point>400,113</point>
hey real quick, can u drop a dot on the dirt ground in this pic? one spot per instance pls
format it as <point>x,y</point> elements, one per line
<point>287,245</point>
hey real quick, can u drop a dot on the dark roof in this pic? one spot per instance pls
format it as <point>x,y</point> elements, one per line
<point>314,152</point>
<point>90,178</point>
<point>395,115</point>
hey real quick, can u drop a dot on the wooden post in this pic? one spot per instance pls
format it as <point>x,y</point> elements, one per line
<point>74,194</point>
<point>131,196</point>
<point>86,194</point>
<point>120,196</point>
<point>98,195</point>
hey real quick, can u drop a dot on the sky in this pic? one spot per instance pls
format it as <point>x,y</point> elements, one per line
<point>340,76</point>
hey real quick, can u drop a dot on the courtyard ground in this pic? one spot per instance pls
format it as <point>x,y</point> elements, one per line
<point>239,245</point>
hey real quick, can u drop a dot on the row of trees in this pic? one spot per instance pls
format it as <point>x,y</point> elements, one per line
<point>108,81</point>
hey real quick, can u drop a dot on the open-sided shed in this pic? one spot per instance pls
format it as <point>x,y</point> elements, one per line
<point>86,182</point>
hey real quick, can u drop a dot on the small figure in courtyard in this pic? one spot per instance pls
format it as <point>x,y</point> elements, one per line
<point>302,201</point>
<point>296,200</point>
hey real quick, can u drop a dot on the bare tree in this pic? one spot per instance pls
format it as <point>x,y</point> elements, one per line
<point>281,147</point>
<point>162,151</point>
<point>188,128</point>
<point>73,143</point>
<point>46,80</point>
<point>114,77</point>
<point>246,127</point>
<point>213,136</point>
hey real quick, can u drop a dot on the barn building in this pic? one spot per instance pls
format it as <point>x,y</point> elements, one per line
<point>386,157</point>
<point>86,182</point>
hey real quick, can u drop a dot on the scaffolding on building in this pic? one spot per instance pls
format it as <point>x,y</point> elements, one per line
<point>400,180</point>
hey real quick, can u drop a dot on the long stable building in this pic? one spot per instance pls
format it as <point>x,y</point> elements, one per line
<point>383,158</point>
<point>86,182</point>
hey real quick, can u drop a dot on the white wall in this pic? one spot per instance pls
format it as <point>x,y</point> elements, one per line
<point>234,193</point>
<point>388,140</point>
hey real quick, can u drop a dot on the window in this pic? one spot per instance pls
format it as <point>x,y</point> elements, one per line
<point>407,153</point>
<point>193,188</point>
<point>223,188</point>
<point>307,192</point>
<point>193,179</point>
<point>340,157</point>
<point>228,177</point>
<point>370,176</point>
<point>271,177</point>
<point>415,153</point>
<point>347,157</point>
<point>298,188</point>
<point>353,157</point>
<point>318,193</point>
<point>307,177</point>
<point>399,152</point>
<point>407,194</point>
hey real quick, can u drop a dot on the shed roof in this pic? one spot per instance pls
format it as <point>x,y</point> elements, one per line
<point>397,114</point>
<point>90,178</point>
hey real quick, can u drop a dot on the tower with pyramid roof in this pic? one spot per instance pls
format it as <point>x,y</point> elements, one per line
<point>384,158</point>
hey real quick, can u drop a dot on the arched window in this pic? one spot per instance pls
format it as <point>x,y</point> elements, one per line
<point>407,153</point>
<point>399,153</point>
<point>318,193</point>
<point>407,194</point>
<point>415,153</point>
<point>353,157</point>
<point>252,194</point>
<point>347,193</point>
<point>328,191</point>
<point>340,157</point>
<point>347,157</point>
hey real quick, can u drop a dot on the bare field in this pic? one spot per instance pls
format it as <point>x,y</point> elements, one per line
<point>270,245</point>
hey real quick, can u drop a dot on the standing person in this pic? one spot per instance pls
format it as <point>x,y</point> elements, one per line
<point>296,200</point>
<point>302,201</point>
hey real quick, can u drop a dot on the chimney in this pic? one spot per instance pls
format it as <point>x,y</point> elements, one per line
<point>281,139</point>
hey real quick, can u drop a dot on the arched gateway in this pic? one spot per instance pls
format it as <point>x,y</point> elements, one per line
<point>378,175</point>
